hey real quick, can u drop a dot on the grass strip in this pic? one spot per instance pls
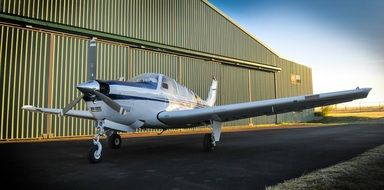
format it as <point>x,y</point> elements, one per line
<point>365,171</point>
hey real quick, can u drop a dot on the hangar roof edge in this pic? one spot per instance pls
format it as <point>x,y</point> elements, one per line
<point>245,31</point>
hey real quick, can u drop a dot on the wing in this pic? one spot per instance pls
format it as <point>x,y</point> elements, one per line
<point>73,113</point>
<point>232,112</point>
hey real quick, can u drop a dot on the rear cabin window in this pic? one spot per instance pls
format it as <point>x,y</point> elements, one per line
<point>169,86</point>
<point>191,95</point>
<point>183,91</point>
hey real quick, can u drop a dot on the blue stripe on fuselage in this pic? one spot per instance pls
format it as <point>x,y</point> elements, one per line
<point>126,97</point>
<point>149,85</point>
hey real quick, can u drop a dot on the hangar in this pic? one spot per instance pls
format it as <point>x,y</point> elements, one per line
<point>44,54</point>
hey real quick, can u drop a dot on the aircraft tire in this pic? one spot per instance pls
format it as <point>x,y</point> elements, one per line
<point>114,141</point>
<point>207,143</point>
<point>93,158</point>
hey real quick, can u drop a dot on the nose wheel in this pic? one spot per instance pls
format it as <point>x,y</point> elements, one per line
<point>94,154</point>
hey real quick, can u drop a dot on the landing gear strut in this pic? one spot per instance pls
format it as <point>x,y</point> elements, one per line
<point>94,155</point>
<point>114,141</point>
<point>210,140</point>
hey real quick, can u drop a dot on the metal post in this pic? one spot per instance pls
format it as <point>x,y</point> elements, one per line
<point>250,93</point>
<point>50,83</point>
<point>275,84</point>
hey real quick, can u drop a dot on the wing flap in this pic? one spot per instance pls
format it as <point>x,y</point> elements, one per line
<point>73,113</point>
<point>232,112</point>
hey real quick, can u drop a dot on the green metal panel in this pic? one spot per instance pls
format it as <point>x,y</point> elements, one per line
<point>27,77</point>
<point>113,61</point>
<point>262,87</point>
<point>285,88</point>
<point>135,42</point>
<point>234,88</point>
<point>189,24</point>
<point>69,68</point>
<point>24,64</point>
<point>153,62</point>
<point>197,74</point>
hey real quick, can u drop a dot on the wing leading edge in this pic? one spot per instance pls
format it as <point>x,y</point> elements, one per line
<point>237,111</point>
<point>73,113</point>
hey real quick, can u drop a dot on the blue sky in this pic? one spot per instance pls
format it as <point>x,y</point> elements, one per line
<point>342,40</point>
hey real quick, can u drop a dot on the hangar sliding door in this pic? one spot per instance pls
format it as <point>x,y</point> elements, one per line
<point>24,58</point>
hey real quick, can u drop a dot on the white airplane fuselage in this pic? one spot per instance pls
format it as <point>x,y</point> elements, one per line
<point>140,103</point>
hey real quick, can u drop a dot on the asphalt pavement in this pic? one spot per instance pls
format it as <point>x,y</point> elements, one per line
<point>242,160</point>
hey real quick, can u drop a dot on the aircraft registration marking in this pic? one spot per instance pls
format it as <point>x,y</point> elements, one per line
<point>96,109</point>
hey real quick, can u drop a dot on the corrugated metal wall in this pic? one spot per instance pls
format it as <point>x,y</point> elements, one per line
<point>262,87</point>
<point>188,24</point>
<point>197,75</point>
<point>144,61</point>
<point>68,65</point>
<point>42,68</point>
<point>234,89</point>
<point>286,88</point>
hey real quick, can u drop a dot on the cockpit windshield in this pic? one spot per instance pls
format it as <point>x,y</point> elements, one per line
<point>149,80</point>
<point>146,78</point>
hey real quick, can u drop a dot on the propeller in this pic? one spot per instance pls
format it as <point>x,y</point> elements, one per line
<point>88,88</point>
<point>92,86</point>
<point>71,104</point>
<point>114,105</point>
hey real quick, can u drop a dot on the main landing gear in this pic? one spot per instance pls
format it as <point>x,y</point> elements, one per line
<point>114,142</point>
<point>209,143</point>
<point>210,140</point>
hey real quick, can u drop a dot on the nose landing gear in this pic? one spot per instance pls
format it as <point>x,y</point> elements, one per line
<point>114,142</point>
<point>94,155</point>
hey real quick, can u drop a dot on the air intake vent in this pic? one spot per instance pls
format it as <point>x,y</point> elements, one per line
<point>104,87</point>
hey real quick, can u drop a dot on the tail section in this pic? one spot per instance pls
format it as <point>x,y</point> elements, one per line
<point>212,93</point>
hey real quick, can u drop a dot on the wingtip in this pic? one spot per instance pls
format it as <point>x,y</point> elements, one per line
<point>364,91</point>
<point>29,108</point>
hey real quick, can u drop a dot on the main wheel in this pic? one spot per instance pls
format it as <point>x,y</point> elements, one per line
<point>208,144</point>
<point>114,141</point>
<point>93,156</point>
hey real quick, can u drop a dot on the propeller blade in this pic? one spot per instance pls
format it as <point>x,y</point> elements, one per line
<point>92,59</point>
<point>71,104</point>
<point>114,105</point>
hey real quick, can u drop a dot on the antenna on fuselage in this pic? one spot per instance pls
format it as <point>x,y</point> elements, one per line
<point>92,59</point>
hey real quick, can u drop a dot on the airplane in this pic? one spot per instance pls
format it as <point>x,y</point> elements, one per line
<point>156,101</point>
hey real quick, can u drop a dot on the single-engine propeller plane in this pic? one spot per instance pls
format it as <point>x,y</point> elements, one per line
<point>155,100</point>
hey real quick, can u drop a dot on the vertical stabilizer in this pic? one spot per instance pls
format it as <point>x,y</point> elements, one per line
<point>212,93</point>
